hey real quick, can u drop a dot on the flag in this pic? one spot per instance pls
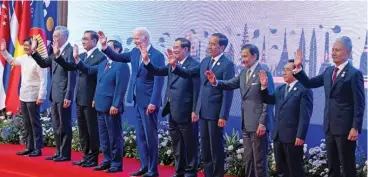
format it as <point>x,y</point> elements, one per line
<point>12,94</point>
<point>4,35</point>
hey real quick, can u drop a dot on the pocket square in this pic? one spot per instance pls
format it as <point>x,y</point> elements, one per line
<point>254,83</point>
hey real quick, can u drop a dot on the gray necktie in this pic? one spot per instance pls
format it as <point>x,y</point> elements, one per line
<point>247,76</point>
<point>287,90</point>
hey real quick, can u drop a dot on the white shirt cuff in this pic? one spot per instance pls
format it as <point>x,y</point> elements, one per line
<point>297,70</point>
<point>215,85</point>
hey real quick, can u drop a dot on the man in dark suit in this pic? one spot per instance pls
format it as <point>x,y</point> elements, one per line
<point>213,105</point>
<point>294,106</point>
<point>85,90</point>
<point>255,114</point>
<point>180,104</point>
<point>62,91</point>
<point>344,107</point>
<point>112,83</point>
<point>147,98</point>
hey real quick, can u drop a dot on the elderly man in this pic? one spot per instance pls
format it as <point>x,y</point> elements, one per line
<point>344,106</point>
<point>147,90</point>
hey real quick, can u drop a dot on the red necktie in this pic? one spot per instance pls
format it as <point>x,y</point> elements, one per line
<point>107,66</point>
<point>334,75</point>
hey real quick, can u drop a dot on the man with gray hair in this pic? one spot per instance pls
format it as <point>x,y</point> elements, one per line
<point>146,91</point>
<point>344,106</point>
<point>62,91</point>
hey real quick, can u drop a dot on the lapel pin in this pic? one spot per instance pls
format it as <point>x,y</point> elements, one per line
<point>343,74</point>
<point>294,88</point>
<point>218,64</point>
<point>184,67</point>
<point>91,56</point>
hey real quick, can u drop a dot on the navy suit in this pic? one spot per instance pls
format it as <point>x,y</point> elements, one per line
<point>213,103</point>
<point>86,114</point>
<point>180,102</point>
<point>344,109</point>
<point>62,87</point>
<point>112,83</point>
<point>147,90</point>
<point>292,116</point>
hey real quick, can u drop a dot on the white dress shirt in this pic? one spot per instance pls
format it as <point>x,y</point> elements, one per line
<point>34,78</point>
<point>216,59</point>
<point>253,67</point>
<point>89,53</point>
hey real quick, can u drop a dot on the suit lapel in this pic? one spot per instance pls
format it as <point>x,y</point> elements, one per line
<point>291,92</point>
<point>252,78</point>
<point>91,57</point>
<point>63,53</point>
<point>108,69</point>
<point>217,64</point>
<point>339,77</point>
<point>184,65</point>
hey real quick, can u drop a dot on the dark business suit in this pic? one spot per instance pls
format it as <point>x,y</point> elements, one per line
<point>344,109</point>
<point>86,114</point>
<point>213,103</point>
<point>254,113</point>
<point>62,87</point>
<point>146,90</point>
<point>112,83</point>
<point>180,102</point>
<point>292,115</point>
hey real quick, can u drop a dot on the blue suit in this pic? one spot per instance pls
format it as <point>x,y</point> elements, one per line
<point>180,102</point>
<point>292,116</point>
<point>147,90</point>
<point>112,83</point>
<point>344,110</point>
<point>213,103</point>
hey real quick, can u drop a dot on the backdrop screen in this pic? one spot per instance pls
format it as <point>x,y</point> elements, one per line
<point>277,28</point>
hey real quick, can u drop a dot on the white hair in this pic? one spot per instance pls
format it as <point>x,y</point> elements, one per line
<point>144,32</point>
<point>63,30</point>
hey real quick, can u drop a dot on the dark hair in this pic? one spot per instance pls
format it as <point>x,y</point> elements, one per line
<point>292,61</point>
<point>116,44</point>
<point>29,39</point>
<point>184,43</point>
<point>253,49</point>
<point>94,35</point>
<point>223,41</point>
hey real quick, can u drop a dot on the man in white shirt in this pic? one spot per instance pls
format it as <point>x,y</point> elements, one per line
<point>32,93</point>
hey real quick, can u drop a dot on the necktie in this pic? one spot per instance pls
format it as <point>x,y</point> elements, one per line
<point>247,75</point>
<point>107,66</point>
<point>334,75</point>
<point>211,63</point>
<point>287,90</point>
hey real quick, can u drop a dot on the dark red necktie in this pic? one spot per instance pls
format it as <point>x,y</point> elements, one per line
<point>107,66</point>
<point>334,75</point>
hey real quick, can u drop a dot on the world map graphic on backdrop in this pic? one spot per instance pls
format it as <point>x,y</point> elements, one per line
<point>277,28</point>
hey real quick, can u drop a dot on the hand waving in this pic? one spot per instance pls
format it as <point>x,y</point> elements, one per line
<point>75,53</point>
<point>55,47</point>
<point>211,76</point>
<point>103,39</point>
<point>263,78</point>
<point>3,45</point>
<point>298,59</point>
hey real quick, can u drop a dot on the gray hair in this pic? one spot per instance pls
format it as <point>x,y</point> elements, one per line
<point>144,32</point>
<point>63,30</point>
<point>346,41</point>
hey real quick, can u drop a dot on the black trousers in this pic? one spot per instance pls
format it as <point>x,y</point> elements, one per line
<point>32,125</point>
<point>289,159</point>
<point>88,132</point>
<point>185,146</point>
<point>62,125</point>
<point>340,151</point>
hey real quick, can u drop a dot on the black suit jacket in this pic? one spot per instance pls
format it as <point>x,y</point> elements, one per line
<point>292,113</point>
<point>182,92</point>
<point>345,100</point>
<point>86,84</point>
<point>62,81</point>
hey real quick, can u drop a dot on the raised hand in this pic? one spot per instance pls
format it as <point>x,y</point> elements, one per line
<point>75,53</point>
<point>144,52</point>
<point>210,76</point>
<point>171,57</point>
<point>103,39</point>
<point>263,78</point>
<point>34,43</point>
<point>55,47</point>
<point>3,45</point>
<point>298,59</point>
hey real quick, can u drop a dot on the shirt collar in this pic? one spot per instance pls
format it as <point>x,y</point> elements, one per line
<point>253,67</point>
<point>149,47</point>
<point>63,46</point>
<point>218,57</point>
<point>342,66</point>
<point>291,85</point>
<point>89,53</point>
<point>182,61</point>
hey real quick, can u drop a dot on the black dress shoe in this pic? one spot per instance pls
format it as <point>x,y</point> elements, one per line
<point>52,157</point>
<point>25,152</point>
<point>61,159</point>
<point>113,170</point>
<point>140,172</point>
<point>79,163</point>
<point>89,164</point>
<point>150,175</point>
<point>35,153</point>
<point>177,175</point>
<point>101,167</point>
